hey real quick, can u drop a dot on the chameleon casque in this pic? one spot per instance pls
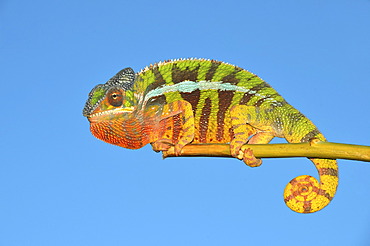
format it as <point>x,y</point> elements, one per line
<point>183,101</point>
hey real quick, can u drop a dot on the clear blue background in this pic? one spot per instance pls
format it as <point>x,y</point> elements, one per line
<point>61,186</point>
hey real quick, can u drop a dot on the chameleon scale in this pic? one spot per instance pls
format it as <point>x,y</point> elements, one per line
<point>183,101</point>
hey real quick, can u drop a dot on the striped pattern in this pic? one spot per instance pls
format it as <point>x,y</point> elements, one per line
<point>211,87</point>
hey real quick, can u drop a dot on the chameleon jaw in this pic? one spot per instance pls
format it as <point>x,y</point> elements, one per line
<point>108,114</point>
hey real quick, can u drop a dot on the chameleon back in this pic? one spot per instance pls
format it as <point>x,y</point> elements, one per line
<point>211,87</point>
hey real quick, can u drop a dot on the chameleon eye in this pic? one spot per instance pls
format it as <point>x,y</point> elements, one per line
<point>115,97</point>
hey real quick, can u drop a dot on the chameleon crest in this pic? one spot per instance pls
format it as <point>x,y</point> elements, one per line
<point>184,101</point>
<point>113,92</point>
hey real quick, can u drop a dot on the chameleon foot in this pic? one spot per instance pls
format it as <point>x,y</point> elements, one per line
<point>165,144</point>
<point>161,145</point>
<point>178,148</point>
<point>235,148</point>
<point>249,158</point>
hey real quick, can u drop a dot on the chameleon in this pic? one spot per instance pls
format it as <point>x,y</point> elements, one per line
<point>201,101</point>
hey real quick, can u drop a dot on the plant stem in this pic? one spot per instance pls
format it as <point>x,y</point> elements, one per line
<point>313,149</point>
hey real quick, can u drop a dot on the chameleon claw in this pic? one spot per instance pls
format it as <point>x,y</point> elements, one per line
<point>250,159</point>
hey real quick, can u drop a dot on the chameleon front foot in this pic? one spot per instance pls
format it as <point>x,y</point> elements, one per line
<point>161,145</point>
<point>165,144</point>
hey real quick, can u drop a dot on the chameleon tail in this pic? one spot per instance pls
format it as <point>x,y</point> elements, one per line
<point>305,194</point>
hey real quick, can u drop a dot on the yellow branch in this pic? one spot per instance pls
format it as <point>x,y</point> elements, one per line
<point>313,149</point>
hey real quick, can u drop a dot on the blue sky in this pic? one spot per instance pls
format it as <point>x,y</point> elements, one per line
<point>61,186</point>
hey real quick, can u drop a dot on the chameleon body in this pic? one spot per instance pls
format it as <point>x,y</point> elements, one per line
<point>178,102</point>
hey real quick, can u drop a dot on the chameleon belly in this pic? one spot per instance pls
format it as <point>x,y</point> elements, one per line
<point>186,101</point>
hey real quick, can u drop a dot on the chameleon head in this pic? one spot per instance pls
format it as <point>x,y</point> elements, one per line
<point>113,99</point>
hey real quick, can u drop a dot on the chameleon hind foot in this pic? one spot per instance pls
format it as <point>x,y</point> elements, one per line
<point>248,157</point>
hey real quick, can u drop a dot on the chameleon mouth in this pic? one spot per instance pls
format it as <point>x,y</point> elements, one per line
<point>108,114</point>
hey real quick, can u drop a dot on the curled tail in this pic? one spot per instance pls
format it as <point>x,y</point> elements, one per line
<point>305,194</point>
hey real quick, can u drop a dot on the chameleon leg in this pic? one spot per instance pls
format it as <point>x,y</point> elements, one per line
<point>245,124</point>
<point>186,135</point>
<point>242,131</point>
<point>164,142</point>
